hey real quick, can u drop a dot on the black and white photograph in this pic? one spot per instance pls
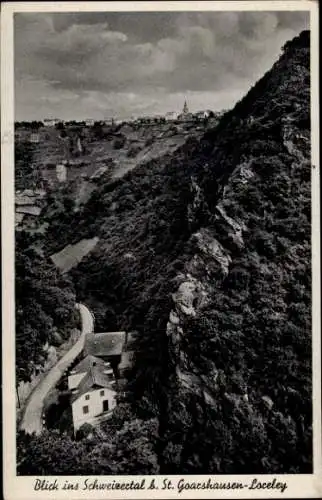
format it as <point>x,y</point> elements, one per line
<point>162,221</point>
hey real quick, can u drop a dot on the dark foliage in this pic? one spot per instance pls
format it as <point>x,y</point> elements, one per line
<point>44,306</point>
<point>25,174</point>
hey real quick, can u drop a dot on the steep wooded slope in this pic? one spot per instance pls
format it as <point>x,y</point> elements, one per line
<point>45,307</point>
<point>240,323</point>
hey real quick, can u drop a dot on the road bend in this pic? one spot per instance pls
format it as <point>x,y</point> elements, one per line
<point>32,418</point>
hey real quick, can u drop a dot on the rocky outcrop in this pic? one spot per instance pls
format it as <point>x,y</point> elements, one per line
<point>206,270</point>
<point>295,140</point>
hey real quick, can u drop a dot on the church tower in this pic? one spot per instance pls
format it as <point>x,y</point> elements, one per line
<point>185,108</point>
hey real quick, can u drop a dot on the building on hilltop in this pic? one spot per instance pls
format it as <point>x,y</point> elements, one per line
<point>204,115</point>
<point>51,122</point>
<point>185,109</point>
<point>109,121</point>
<point>185,115</point>
<point>34,138</point>
<point>170,115</point>
<point>89,122</point>
<point>158,118</point>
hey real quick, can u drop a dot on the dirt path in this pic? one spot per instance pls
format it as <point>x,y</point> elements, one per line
<point>32,418</point>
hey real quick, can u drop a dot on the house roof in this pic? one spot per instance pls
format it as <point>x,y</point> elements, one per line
<point>86,364</point>
<point>100,378</point>
<point>29,209</point>
<point>105,344</point>
<point>40,192</point>
<point>24,200</point>
<point>94,378</point>
<point>28,192</point>
<point>19,218</point>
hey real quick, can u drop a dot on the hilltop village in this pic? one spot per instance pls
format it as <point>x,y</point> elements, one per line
<point>87,152</point>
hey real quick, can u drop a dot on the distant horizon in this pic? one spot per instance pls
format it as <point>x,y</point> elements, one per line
<point>124,64</point>
<point>116,118</point>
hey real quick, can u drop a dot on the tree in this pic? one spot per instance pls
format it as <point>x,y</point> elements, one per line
<point>60,126</point>
<point>132,451</point>
<point>24,169</point>
<point>51,453</point>
<point>45,303</point>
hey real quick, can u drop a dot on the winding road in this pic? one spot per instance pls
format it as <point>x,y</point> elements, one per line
<point>32,418</point>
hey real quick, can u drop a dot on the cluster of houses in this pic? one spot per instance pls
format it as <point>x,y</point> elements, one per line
<point>184,116</point>
<point>28,207</point>
<point>171,116</point>
<point>51,122</point>
<point>27,135</point>
<point>95,383</point>
<point>88,122</point>
<point>37,134</point>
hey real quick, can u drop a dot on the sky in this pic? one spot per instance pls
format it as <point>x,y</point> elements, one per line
<point>123,64</point>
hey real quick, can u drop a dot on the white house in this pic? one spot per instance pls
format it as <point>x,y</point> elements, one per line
<point>89,122</point>
<point>93,382</point>
<point>201,115</point>
<point>93,395</point>
<point>51,122</point>
<point>109,121</point>
<point>34,138</point>
<point>170,115</point>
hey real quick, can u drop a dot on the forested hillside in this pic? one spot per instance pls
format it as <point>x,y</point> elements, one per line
<point>45,306</point>
<point>24,170</point>
<point>206,254</point>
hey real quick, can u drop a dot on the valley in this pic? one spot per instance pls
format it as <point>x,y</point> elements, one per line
<point>197,237</point>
